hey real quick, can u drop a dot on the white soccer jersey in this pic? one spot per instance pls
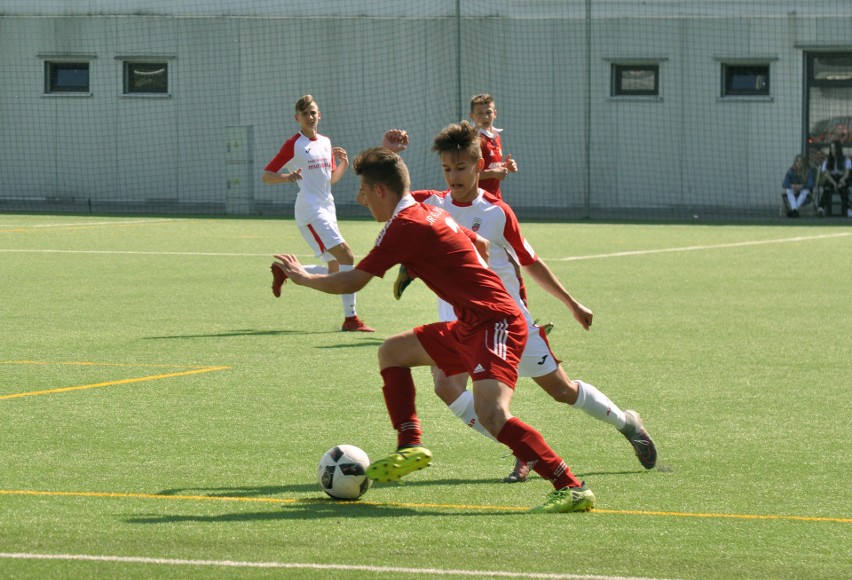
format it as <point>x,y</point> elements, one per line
<point>315,159</point>
<point>496,222</point>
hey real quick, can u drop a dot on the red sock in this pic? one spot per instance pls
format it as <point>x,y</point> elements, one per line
<point>528,445</point>
<point>399,395</point>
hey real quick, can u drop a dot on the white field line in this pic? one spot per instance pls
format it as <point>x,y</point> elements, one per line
<point>137,253</point>
<point>90,224</point>
<point>564,259</point>
<point>705,247</point>
<point>307,566</point>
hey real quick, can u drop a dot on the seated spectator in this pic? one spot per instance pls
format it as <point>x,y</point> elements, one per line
<point>798,184</point>
<point>836,168</point>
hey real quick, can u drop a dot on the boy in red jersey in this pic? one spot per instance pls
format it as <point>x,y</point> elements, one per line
<point>458,148</point>
<point>484,112</point>
<point>315,165</point>
<point>486,340</point>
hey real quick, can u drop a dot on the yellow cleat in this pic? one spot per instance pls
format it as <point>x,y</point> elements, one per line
<point>567,499</point>
<point>397,465</point>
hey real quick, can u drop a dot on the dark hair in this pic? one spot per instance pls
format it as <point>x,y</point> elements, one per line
<point>458,137</point>
<point>482,99</point>
<point>837,163</point>
<point>304,102</point>
<point>380,165</point>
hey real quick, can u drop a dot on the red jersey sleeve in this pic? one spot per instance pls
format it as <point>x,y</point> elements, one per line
<point>284,155</point>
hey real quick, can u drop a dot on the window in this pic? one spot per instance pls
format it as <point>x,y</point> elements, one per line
<point>146,78</point>
<point>635,80</point>
<point>750,80</point>
<point>66,77</point>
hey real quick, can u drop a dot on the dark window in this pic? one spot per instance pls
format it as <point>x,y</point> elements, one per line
<point>640,80</point>
<point>745,80</point>
<point>67,77</point>
<point>832,70</point>
<point>146,77</point>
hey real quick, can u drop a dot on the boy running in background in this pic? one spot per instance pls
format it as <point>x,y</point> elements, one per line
<point>486,340</point>
<point>311,161</point>
<point>484,112</point>
<point>492,219</point>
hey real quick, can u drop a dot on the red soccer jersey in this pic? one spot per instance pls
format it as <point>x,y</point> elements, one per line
<point>492,153</point>
<point>433,247</point>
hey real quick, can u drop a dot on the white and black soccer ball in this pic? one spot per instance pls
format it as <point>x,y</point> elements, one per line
<point>342,472</point>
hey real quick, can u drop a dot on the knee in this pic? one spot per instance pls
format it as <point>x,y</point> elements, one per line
<point>447,389</point>
<point>388,354</point>
<point>346,257</point>
<point>492,417</point>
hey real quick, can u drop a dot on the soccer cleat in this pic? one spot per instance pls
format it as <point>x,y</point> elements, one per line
<point>519,473</point>
<point>547,326</point>
<point>355,324</point>
<point>401,283</point>
<point>399,464</point>
<point>278,278</point>
<point>567,499</point>
<point>642,443</point>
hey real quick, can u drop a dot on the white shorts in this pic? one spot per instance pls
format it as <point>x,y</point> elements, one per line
<point>538,360</point>
<point>320,236</point>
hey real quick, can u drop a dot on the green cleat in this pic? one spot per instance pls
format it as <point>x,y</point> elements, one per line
<point>567,499</point>
<point>401,283</point>
<point>397,465</point>
<point>547,326</point>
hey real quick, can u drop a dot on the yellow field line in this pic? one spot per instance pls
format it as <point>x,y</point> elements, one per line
<point>118,382</point>
<point>28,492</point>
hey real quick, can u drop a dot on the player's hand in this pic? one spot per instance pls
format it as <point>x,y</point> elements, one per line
<point>291,266</point>
<point>294,175</point>
<point>340,155</point>
<point>582,315</point>
<point>395,139</point>
<point>510,164</point>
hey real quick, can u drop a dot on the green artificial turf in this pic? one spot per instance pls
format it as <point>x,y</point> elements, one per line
<point>204,405</point>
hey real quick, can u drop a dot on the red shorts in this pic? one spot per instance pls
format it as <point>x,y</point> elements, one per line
<point>490,350</point>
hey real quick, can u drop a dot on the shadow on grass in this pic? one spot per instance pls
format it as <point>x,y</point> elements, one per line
<point>368,341</point>
<point>307,509</point>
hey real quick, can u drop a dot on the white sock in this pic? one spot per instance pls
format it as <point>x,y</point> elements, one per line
<point>348,299</point>
<point>593,402</point>
<point>316,269</point>
<point>463,409</point>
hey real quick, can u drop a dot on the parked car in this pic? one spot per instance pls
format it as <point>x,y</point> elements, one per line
<point>833,129</point>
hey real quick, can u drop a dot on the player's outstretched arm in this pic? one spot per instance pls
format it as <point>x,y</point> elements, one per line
<point>347,282</point>
<point>544,277</point>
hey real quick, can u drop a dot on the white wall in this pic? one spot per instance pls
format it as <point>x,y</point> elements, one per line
<point>689,147</point>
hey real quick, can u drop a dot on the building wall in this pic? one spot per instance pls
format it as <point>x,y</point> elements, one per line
<point>686,148</point>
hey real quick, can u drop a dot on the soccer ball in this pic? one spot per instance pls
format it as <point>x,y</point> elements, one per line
<point>342,472</point>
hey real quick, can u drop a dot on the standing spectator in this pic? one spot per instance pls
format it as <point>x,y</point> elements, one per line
<point>316,166</point>
<point>798,184</point>
<point>836,168</point>
<point>484,112</point>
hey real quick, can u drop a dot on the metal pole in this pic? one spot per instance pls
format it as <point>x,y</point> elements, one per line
<point>459,60</point>
<point>587,196</point>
